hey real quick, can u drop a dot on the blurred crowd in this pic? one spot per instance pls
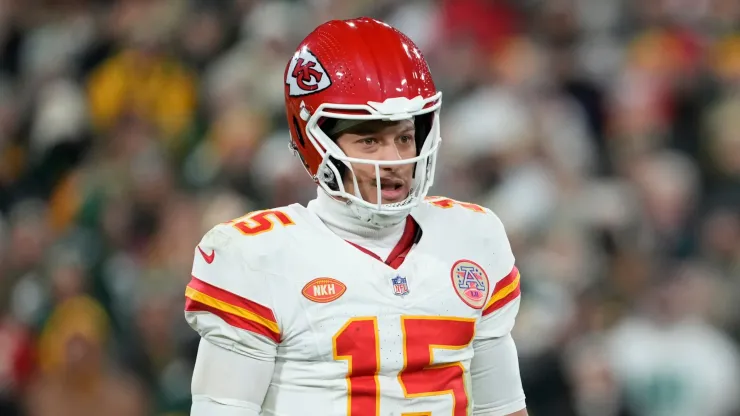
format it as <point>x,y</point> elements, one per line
<point>604,133</point>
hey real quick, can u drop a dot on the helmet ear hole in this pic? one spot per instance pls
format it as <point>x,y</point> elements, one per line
<point>297,136</point>
<point>298,133</point>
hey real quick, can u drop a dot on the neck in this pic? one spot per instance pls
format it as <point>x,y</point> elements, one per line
<point>343,221</point>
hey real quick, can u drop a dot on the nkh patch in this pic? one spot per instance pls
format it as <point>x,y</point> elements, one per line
<point>470,282</point>
<point>323,290</point>
<point>306,75</point>
<point>400,286</point>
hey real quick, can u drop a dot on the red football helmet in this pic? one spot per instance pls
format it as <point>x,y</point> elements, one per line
<point>360,69</point>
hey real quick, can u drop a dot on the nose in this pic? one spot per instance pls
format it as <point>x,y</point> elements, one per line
<point>390,152</point>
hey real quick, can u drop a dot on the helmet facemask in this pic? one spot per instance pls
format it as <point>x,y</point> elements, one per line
<point>336,164</point>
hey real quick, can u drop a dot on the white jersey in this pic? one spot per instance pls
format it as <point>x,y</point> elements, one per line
<point>351,335</point>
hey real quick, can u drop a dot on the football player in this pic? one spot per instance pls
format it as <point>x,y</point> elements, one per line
<point>374,299</point>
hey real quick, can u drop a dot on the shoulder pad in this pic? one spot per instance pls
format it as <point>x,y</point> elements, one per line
<point>449,203</point>
<point>450,210</point>
<point>256,233</point>
<point>464,215</point>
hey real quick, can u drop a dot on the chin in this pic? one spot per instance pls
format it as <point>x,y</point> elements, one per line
<point>386,201</point>
<point>395,200</point>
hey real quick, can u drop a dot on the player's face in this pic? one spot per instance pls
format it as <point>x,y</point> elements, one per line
<point>384,140</point>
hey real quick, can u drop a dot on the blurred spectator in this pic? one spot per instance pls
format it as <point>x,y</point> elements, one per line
<point>669,360</point>
<point>74,377</point>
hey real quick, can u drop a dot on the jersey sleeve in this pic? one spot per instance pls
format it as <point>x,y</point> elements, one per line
<point>227,302</point>
<point>496,381</point>
<point>500,311</point>
<point>229,384</point>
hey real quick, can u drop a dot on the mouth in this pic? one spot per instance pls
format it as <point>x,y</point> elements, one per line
<point>392,190</point>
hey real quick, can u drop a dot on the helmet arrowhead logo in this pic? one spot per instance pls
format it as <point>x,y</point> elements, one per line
<point>305,74</point>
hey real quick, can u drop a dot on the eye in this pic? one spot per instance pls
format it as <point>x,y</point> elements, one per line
<point>367,141</point>
<point>405,139</point>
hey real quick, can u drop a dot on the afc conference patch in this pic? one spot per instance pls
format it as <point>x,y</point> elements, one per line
<point>400,286</point>
<point>470,282</point>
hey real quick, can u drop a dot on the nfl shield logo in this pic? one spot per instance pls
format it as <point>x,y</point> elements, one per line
<point>400,287</point>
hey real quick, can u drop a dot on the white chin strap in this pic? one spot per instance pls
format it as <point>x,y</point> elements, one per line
<point>379,219</point>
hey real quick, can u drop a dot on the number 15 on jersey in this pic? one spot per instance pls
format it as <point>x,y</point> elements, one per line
<point>357,343</point>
